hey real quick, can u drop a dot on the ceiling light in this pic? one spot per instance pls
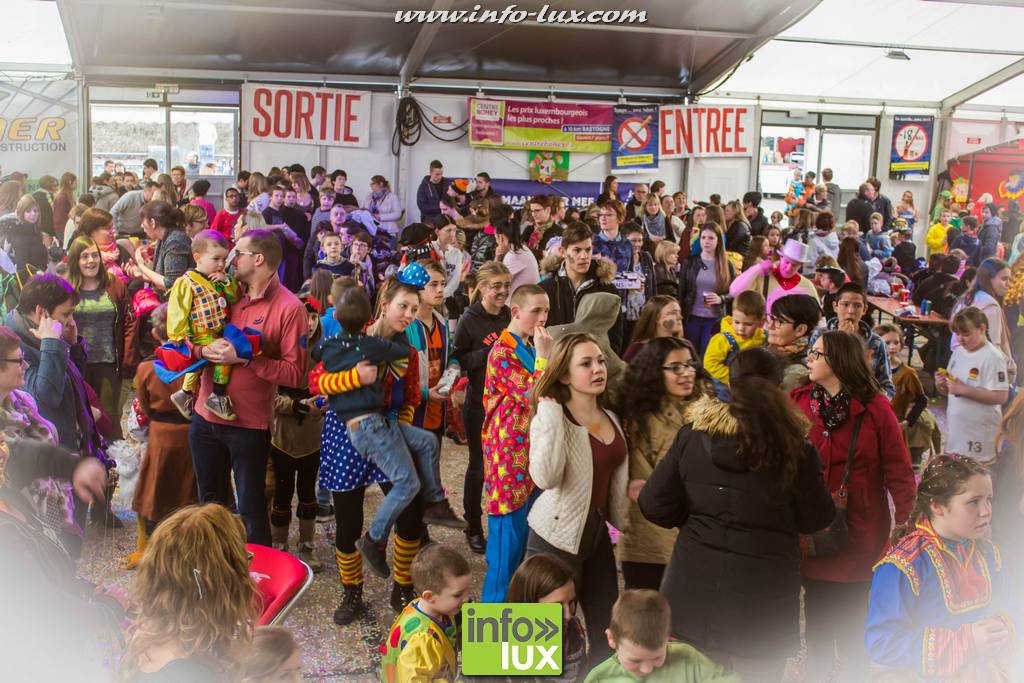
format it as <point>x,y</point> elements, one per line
<point>897,54</point>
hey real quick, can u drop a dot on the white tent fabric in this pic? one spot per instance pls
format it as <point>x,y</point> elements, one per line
<point>838,50</point>
<point>33,38</point>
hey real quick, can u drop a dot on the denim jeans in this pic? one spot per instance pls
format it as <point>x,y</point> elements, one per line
<point>426,454</point>
<point>404,454</point>
<point>217,451</point>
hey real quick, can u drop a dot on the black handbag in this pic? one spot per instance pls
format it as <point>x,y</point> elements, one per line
<point>832,538</point>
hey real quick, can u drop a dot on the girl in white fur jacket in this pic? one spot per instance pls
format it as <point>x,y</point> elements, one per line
<point>578,457</point>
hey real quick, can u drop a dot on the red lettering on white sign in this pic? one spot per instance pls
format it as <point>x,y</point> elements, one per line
<point>316,116</point>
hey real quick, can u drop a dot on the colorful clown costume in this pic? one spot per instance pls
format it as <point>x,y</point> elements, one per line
<point>197,310</point>
<point>419,648</point>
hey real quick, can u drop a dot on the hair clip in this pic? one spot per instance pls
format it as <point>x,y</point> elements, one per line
<point>195,574</point>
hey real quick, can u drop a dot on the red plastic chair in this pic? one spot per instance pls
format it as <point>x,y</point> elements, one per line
<point>280,578</point>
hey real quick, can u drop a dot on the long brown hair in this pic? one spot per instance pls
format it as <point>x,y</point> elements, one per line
<point>10,192</point>
<point>75,277</point>
<point>848,358</point>
<point>537,576</point>
<point>757,243</point>
<point>722,278</point>
<point>550,384</point>
<point>850,261</point>
<point>192,588</point>
<point>647,323</point>
<point>68,182</point>
<point>944,477</point>
<point>771,427</point>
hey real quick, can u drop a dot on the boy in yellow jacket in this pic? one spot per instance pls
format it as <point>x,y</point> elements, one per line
<point>742,330</point>
<point>936,237</point>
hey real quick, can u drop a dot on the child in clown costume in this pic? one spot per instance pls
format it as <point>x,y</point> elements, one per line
<point>421,644</point>
<point>940,603</point>
<point>515,361</point>
<point>197,311</point>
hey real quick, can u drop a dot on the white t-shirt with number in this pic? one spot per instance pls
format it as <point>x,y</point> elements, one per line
<point>973,425</point>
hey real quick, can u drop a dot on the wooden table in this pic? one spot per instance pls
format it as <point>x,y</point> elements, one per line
<point>890,306</point>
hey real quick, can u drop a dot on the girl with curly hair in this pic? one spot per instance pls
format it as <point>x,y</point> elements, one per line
<point>658,385</point>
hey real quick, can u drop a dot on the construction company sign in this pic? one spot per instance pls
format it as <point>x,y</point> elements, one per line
<point>309,116</point>
<point>707,131</point>
<point>38,127</point>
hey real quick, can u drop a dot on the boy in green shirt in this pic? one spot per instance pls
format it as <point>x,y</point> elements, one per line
<point>639,635</point>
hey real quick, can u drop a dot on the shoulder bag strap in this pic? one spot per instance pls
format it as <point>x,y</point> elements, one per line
<point>852,450</point>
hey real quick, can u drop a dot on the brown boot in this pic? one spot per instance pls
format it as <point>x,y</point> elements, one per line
<point>279,537</point>
<point>307,527</point>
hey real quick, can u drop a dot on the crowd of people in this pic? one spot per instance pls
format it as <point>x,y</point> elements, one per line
<point>687,399</point>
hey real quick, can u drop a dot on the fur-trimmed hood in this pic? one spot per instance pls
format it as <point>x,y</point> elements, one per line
<point>708,414</point>
<point>600,269</point>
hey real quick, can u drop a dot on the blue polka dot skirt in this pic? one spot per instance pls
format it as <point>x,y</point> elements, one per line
<point>341,466</point>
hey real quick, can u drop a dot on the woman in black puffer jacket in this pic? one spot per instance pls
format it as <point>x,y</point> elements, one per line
<point>741,482</point>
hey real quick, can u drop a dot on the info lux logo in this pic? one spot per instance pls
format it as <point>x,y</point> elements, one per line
<point>511,639</point>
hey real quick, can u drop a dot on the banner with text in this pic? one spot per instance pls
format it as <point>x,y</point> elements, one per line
<point>549,126</point>
<point>635,138</point>
<point>38,127</point>
<point>706,131</point>
<point>580,194</point>
<point>310,116</point>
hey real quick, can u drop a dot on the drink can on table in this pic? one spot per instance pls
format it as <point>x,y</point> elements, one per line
<point>904,296</point>
<point>926,307</point>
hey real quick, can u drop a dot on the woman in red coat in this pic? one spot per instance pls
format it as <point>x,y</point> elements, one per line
<point>843,397</point>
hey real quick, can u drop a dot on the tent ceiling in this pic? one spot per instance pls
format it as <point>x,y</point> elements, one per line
<point>680,43</point>
<point>838,51</point>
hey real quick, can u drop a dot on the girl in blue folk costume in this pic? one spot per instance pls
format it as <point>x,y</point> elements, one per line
<point>940,598</point>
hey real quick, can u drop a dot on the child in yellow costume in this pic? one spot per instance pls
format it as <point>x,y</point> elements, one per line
<point>420,645</point>
<point>197,311</point>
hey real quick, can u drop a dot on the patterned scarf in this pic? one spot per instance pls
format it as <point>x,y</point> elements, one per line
<point>833,411</point>
<point>655,224</point>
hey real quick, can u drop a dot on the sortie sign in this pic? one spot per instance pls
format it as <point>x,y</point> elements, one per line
<point>706,131</point>
<point>311,116</point>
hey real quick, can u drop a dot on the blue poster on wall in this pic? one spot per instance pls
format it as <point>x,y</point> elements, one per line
<point>634,138</point>
<point>911,152</point>
<point>582,194</point>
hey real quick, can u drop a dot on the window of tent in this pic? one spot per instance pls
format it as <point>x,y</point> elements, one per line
<point>204,140</point>
<point>127,135</point>
<point>800,141</point>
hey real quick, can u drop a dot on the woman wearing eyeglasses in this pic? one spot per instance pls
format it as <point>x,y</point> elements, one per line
<point>790,322</point>
<point>658,385</point>
<point>741,483</point>
<point>850,418</point>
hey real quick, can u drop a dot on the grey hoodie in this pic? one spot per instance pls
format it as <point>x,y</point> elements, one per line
<point>596,314</point>
<point>105,196</point>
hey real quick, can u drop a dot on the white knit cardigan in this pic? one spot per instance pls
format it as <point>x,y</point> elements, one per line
<point>562,465</point>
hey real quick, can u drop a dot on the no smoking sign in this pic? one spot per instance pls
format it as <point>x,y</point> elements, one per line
<point>634,134</point>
